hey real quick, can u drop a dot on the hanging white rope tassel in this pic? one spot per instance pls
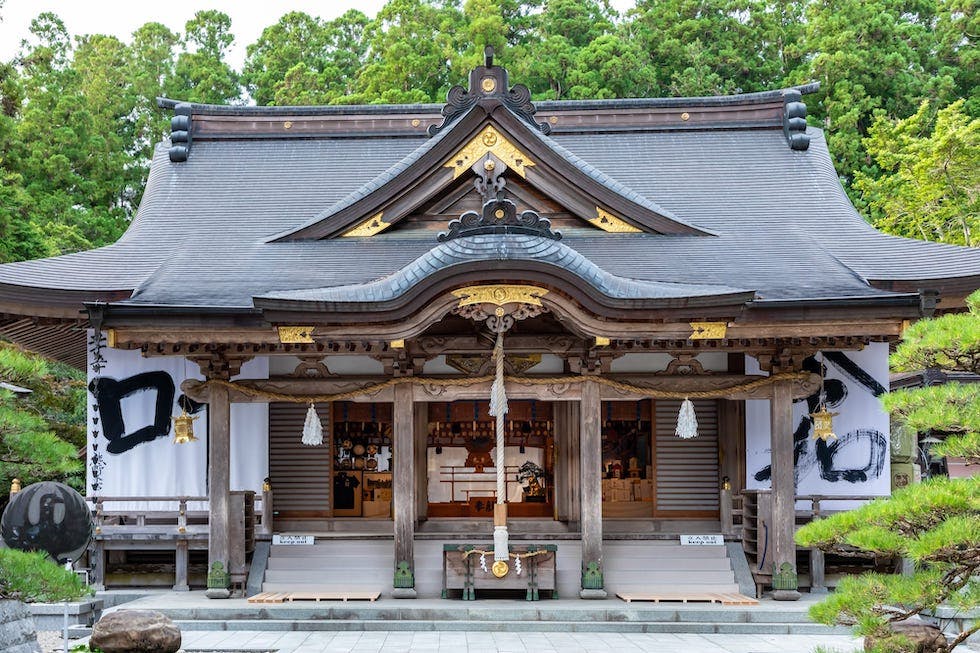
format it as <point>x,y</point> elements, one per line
<point>687,421</point>
<point>312,429</point>
<point>498,409</point>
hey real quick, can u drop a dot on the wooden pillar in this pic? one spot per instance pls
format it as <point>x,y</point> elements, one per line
<point>421,461</point>
<point>403,432</point>
<point>219,480</point>
<point>785,586</point>
<point>590,483</point>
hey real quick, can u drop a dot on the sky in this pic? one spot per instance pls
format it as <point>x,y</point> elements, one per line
<point>120,18</point>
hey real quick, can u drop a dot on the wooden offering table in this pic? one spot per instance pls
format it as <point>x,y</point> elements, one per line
<point>462,569</point>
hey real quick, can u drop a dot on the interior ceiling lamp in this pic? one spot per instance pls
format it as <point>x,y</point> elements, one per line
<point>184,427</point>
<point>823,419</point>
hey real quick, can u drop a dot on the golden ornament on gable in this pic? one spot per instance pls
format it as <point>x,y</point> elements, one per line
<point>489,140</point>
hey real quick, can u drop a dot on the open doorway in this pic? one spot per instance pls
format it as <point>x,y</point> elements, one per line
<point>461,459</point>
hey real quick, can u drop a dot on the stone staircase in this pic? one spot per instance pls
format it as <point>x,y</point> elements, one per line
<point>638,566</point>
<point>567,615</point>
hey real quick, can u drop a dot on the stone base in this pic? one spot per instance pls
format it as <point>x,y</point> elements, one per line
<point>218,593</point>
<point>785,595</point>
<point>592,594</point>
<point>819,590</point>
<point>17,633</point>
<point>404,593</point>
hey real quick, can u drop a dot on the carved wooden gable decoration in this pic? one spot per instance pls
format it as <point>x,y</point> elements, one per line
<point>490,148</point>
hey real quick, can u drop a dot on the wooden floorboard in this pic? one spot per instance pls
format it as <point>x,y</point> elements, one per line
<point>723,598</point>
<point>316,595</point>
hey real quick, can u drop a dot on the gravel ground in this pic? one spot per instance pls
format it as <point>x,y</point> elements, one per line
<point>51,642</point>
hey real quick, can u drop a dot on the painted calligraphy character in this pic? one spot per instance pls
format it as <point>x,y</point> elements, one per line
<point>109,394</point>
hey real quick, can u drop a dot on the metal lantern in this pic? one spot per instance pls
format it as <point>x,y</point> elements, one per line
<point>823,424</point>
<point>184,428</point>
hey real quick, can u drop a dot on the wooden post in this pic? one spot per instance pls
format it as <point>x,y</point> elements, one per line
<point>818,581</point>
<point>180,567</point>
<point>266,508</point>
<point>785,585</point>
<point>219,494</point>
<point>403,482</point>
<point>590,484</point>
<point>725,508</point>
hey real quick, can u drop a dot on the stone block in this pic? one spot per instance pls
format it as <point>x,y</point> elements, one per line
<point>17,634</point>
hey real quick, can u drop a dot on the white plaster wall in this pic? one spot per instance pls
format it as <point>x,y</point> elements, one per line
<point>858,462</point>
<point>158,467</point>
<point>284,365</point>
<point>713,361</point>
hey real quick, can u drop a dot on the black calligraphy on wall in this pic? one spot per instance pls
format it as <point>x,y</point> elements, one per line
<point>109,393</point>
<point>96,457</point>
<point>823,456</point>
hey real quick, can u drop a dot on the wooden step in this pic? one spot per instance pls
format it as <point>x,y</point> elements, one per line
<point>725,598</point>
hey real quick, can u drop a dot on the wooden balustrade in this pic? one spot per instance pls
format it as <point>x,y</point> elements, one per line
<point>170,523</point>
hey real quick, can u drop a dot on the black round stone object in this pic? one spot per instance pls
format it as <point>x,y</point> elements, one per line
<point>50,517</point>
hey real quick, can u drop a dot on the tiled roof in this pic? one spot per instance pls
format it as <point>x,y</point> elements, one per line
<point>785,229</point>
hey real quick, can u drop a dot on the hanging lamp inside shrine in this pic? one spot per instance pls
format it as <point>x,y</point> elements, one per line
<point>823,419</point>
<point>687,421</point>
<point>184,427</point>
<point>312,429</point>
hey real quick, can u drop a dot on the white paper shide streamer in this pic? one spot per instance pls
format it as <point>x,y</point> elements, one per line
<point>498,409</point>
<point>687,421</point>
<point>312,429</point>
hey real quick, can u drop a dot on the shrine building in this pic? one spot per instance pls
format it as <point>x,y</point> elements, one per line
<point>660,293</point>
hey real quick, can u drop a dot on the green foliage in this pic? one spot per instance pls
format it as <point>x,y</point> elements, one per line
<point>41,433</point>
<point>32,578</point>
<point>949,342</point>
<point>930,186</point>
<point>935,524</point>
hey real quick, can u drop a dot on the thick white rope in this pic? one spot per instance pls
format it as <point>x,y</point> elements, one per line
<point>498,409</point>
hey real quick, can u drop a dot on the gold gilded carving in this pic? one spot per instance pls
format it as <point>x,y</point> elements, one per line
<point>480,364</point>
<point>369,227</point>
<point>608,222</point>
<point>601,341</point>
<point>397,344</point>
<point>492,141</point>
<point>500,294</point>
<point>708,330</point>
<point>488,84</point>
<point>294,335</point>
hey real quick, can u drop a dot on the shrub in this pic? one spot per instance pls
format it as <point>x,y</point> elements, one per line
<point>33,578</point>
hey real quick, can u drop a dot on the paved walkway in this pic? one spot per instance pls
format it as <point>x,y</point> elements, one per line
<point>484,642</point>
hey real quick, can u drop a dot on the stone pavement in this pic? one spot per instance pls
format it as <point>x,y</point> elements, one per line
<point>524,642</point>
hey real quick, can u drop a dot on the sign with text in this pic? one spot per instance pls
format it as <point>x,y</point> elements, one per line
<point>702,540</point>
<point>293,540</point>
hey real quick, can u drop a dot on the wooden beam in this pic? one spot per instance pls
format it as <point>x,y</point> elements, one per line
<point>403,436</point>
<point>590,484</point>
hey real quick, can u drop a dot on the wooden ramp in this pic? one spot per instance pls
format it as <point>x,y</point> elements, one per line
<point>725,598</point>
<point>321,595</point>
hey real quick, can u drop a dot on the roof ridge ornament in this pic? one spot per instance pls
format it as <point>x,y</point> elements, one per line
<point>489,81</point>
<point>499,217</point>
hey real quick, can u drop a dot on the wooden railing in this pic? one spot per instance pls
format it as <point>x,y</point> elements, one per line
<point>752,509</point>
<point>179,523</point>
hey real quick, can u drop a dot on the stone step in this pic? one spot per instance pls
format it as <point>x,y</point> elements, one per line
<point>286,625</point>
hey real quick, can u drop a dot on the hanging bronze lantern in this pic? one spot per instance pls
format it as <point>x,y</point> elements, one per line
<point>823,424</point>
<point>184,428</point>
